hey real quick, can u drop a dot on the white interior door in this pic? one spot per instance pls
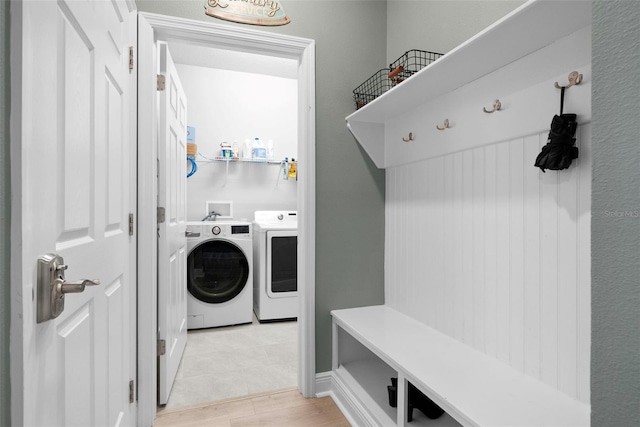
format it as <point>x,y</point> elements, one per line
<point>172,243</point>
<point>77,188</point>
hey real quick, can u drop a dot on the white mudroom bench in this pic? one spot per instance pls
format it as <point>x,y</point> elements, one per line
<point>373,344</point>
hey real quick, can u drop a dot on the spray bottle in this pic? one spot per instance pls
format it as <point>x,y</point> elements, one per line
<point>285,172</point>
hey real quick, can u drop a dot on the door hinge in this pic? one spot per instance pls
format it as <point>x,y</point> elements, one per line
<point>161,215</point>
<point>131,392</point>
<point>162,347</point>
<point>161,82</point>
<point>130,224</point>
<point>130,59</point>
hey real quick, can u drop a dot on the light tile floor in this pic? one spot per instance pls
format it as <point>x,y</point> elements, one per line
<point>220,363</point>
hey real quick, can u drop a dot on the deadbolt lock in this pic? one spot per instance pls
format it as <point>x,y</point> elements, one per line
<point>52,287</point>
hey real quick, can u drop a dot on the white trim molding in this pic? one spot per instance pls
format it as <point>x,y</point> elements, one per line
<point>324,384</point>
<point>327,384</point>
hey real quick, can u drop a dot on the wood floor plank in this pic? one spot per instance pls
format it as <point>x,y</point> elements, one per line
<point>317,414</point>
<point>211,415</point>
<point>285,408</point>
<point>286,399</point>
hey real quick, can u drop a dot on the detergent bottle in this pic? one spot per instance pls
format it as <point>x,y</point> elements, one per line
<point>246,149</point>
<point>270,149</point>
<point>293,173</point>
<point>258,151</point>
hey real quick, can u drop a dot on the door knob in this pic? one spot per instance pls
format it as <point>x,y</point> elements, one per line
<point>52,287</point>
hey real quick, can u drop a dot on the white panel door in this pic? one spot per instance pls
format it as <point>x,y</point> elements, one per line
<point>77,186</point>
<point>172,243</point>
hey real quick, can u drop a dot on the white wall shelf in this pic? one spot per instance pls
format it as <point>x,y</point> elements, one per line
<point>380,125</point>
<point>474,389</point>
<point>227,161</point>
<point>235,160</point>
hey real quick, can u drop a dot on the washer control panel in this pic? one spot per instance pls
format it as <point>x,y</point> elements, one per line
<point>241,229</point>
<point>208,229</point>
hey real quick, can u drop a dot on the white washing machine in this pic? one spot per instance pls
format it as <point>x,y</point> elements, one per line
<point>275,252</point>
<point>219,273</point>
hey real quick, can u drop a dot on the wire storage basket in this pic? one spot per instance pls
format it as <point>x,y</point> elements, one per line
<point>372,88</point>
<point>401,69</point>
<point>410,63</point>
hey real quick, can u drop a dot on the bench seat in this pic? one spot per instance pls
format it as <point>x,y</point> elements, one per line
<point>473,388</point>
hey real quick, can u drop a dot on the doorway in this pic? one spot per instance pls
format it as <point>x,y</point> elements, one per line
<point>232,98</point>
<point>158,27</point>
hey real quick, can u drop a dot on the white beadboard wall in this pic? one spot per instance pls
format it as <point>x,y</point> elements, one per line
<point>486,248</point>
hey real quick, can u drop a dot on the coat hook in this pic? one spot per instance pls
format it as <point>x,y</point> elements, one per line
<point>575,78</point>
<point>496,107</point>
<point>410,139</point>
<point>445,125</point>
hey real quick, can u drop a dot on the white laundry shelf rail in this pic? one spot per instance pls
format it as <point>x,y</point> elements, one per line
<point>473,388</point>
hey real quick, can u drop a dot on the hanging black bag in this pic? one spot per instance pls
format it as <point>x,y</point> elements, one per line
<point>560,149</point>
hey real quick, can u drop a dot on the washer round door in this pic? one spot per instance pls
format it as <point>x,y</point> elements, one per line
<point>217,271</point>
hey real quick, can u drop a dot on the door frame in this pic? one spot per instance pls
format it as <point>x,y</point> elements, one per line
<point>152,27</point>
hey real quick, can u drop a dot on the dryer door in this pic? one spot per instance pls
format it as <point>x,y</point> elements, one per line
<point>217,271</point>
<point>282,263</point>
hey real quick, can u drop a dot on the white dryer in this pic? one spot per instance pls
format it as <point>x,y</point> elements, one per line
<point>275,251</point>
<point>219,273</point>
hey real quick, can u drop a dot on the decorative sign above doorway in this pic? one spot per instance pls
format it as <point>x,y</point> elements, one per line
<point>255,12</point>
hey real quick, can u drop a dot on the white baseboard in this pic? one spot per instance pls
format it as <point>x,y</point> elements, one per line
<point>327,384</point>
<point>324,384</point>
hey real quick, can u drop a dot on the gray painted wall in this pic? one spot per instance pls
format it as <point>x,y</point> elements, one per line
<point>5,203</point>
<point>439,26</point>
<point>615,223</point>
<point>350,38</point>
